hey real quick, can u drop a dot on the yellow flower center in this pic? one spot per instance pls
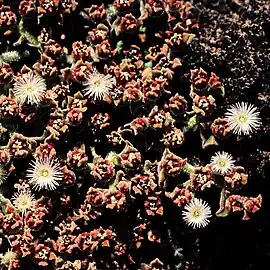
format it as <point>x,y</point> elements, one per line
<point>24,202</point>
<point>243,118</point>
<point>28,89</point>
<point>222,163</point>
<point>97,82</point>
<point>44,172</point>
<point>196,213</point>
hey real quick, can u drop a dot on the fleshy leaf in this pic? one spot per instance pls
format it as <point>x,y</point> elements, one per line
<point>222,211</point>
<point>32,40</point>
<point>191,124</point>
<point>188,168</point>
<point>148,64</point>
<point>218,91</point>
<point>142,29</point>
<point>12,56</point>
<point>207,142</point>
<point>69,59</point>
<point>119,46</point>
<point>3,203</point>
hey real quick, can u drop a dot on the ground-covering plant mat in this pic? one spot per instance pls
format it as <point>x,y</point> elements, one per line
<point>134,134</point>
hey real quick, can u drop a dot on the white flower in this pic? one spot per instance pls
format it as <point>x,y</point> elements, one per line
<point>197,213</point>
<point>243,118</point>
<point>44,174</point>
<point>7,258</point>
<point>3,175</point>
<point>23,200</point>
<point>29,88</point>
<point>98,85</point>
<point>222,162</point>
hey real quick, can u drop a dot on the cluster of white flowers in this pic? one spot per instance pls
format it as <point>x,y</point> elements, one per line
<point>243,119</point>
<point>197,212</point>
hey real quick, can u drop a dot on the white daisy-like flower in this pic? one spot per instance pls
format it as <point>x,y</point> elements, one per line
<point>98,85</point>
<point>7,258</point>
<point>197,213</point>
<point>222,162</point>
<point>29,88</point>
<point>44,174</point>
<point>243,118</point>
<point>23,200</point>
<point>3,175</point>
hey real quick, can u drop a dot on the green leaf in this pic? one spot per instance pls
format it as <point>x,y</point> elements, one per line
<point>148,64</point>
<point>218,91</point>
<point>3,203</point>
<point>222,211</point>
<point>31,39</point>
<point>13,56</point>
<point>207,142</point>
<point>119,46</point>
<point>190,38</point>
<point>84,15</point>
<point>192,124</point>
<point>186,184</point>
<point>69,59</point>
<point>114,158</point>
<point>142,29</point>
<point>188,168</point>
<point>111,10</point>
